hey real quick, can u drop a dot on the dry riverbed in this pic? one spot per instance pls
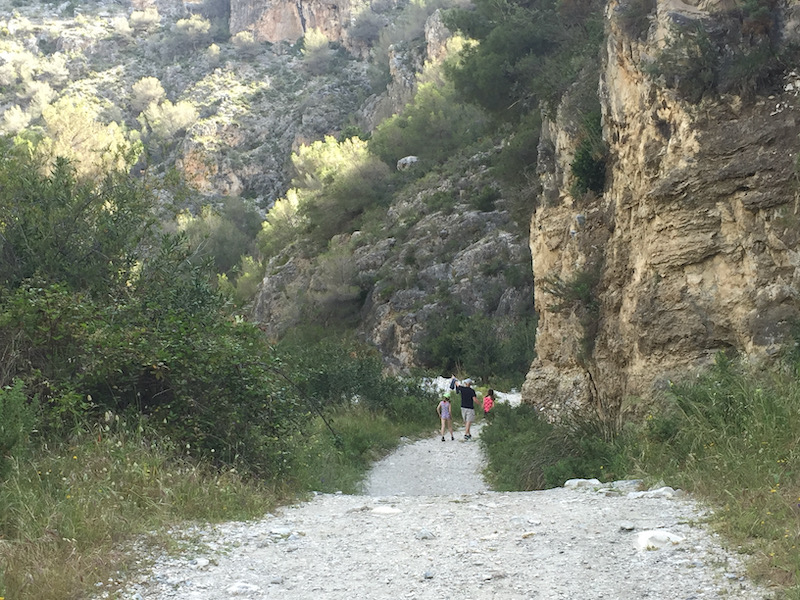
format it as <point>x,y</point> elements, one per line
<point>427,527</point>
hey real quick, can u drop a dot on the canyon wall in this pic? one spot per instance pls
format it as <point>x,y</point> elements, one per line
<point>691,250</point>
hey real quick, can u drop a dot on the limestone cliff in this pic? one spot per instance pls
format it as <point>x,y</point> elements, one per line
<point>692,249</point>
<point>288,20</point>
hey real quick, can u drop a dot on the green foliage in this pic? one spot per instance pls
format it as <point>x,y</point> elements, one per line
<point>527,453</point>
<point>75,132</point>
<point>433,126</point>
<point>689,63</point>
<point>223,235</point>
<point>730,435</point>
<point>485,198</point>
<point>520,153</point>
<point>282,226</point>
<point>318,56</point>
<point>578,296</point>
<point>744,55</point>
<point>16,423</point>
<point>529,52</point>
<point>166,120</point>
<point>244,42</point>
<point>367,27</point>
<point>68,506</point>
<point>336,184</point>
<point>519,445</point>
<point>488,348</point>
<point>145,20</point>
<point>146,91</point>
<point>589,164</point>
<point>589,171</point>
<point>84,233</point>
<point>634,17</point>
<point>193,32</point>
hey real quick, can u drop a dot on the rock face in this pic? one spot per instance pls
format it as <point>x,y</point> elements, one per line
<point>397,285</point>
<point>692,248</point>
<point>288,20</point>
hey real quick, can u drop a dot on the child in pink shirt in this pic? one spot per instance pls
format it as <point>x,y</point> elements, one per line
<point>488,402</point>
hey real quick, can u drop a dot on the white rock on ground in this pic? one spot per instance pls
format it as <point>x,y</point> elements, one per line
<point>428,528</point>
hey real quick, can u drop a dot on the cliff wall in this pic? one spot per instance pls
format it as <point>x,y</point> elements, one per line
<point>288,20</point>
<point>692,249</point>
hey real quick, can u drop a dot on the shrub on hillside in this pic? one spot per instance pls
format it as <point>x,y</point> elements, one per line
<point>165,120</point>
<point>488,348</point>
<point>529,52</point>
<point>82,233</point>
<point>317,54</point>
<point>75,131</point>
<point>144,20</point>
<point>16,423</point>
<point>336,184</point>
<point>433,126</point>
<point>15,120</point>
<point>744,55</point>
<point>146,91</point>
<point>222,235</point>
<point>634,17</point>
<point>193,32</point>
<point>245,43</point>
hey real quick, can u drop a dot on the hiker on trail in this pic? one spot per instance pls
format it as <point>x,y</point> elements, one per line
<point>446,415</point>
<point>488,402</point>
<point>467,403</point>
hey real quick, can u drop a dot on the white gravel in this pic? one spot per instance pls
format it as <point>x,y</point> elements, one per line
<point>427,528</point>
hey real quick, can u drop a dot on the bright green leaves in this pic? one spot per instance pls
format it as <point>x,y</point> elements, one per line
<point>84,234</point>
<point>522,45</point>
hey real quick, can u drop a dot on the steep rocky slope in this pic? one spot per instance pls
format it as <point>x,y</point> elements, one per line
<point>693,247</point>
<point>256,102</point>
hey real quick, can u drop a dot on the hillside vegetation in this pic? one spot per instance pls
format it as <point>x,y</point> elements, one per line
<point>193,307</point>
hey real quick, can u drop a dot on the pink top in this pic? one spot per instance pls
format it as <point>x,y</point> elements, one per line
<point>444,405</point>
<point>488,403</point>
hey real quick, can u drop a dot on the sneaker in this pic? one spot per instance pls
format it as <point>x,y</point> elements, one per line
<point>442,438</point>
<point>452,438</point>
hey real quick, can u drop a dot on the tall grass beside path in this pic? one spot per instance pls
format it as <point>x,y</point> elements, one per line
<point>68,510</point>
<point>73,512</point>
<point>729,436</point>
<point>732,437</point>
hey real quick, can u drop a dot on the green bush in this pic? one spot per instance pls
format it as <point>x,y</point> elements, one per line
<point>485,198</point>
<point>578,296</point>
<point>730,436</point>
<point>85,234</point>
<point>499,350</point>
<point>433,126</point>
<point>634,17</point>
<point>525,452</point>
<point>336,185</point>
<point>529,52</point>
<point>519,445</point>
<point>589,165</point>
<point>16,423</point>
<point>744,55</point>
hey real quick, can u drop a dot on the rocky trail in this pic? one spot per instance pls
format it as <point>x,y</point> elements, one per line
<point>428,527</point>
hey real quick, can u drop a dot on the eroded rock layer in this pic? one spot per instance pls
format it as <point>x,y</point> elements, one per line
<point>692,248</point>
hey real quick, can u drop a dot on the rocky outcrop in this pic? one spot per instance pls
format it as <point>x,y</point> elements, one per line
<point>693,245</point>
<point>288,20</point>
<point>395,286</point>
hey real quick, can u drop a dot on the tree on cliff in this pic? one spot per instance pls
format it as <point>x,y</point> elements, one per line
<point>529,51</point>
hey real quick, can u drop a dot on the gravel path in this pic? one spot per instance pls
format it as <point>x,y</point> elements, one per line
<point>427,528</point>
